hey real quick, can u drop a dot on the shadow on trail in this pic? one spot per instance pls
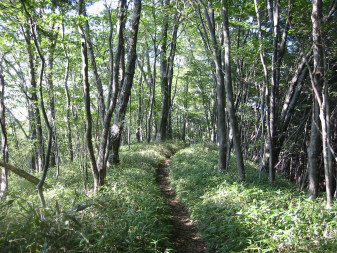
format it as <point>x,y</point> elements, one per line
<point>184,237</point>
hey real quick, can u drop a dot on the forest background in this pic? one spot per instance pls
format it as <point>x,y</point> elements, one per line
<point>255,77</point>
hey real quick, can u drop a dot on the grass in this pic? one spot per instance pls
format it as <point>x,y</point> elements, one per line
<point>129,214</point>
<point>252,216</point>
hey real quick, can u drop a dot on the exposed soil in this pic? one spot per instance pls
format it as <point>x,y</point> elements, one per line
<point>184,239</point>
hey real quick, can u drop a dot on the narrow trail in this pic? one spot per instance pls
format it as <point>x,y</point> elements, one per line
<point>184,239</point>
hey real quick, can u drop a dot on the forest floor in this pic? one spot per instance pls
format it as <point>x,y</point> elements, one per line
<point>184,238</point>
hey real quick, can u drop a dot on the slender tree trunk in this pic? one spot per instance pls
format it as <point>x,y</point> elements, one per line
<point>170,67</point>
<point>265,85</point>
<point>4,143</point>
<point>98,82</point>
<point>125,92</point>
<point>319,87</point>
<point>35,118</point>
<point>313,152</point>
<point>69,131</point>
<point>165,95</point>
<point>183,132</point>
<point>51,100</point>
<point>101,160</point>
<point>152,88</point>
<point>229,95</point>
<point>140,111</point>
<point>220,83</point>
<point>86,92</point>
<point>43,110</point>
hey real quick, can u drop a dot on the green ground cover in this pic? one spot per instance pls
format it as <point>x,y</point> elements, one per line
<point>129,214</point>
<point>253,216</point>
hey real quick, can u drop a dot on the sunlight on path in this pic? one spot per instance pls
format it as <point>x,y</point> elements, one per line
<point>184,237</point>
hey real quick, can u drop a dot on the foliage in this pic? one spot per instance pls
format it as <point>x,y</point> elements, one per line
<point>128,214</point>
<point>254,215</point>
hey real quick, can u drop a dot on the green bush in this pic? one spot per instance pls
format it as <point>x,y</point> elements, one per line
<point>250,216</point>
<point>128,214</point>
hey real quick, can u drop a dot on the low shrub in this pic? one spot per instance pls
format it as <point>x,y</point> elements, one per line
<point>251,216</point>
<point>128,214</point>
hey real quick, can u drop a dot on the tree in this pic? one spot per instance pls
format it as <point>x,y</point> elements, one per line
<point>229,94</point>
<point>166,70</point>
<point>33,29</point>
<point>215,47</point>
<point>125,90</point>
<point>319,87</point>
<point>4,142</point>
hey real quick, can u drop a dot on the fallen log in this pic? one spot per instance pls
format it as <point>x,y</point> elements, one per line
<point>23,174</point>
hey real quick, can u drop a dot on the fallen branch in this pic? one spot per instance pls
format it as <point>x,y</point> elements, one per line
<point>22,173</point>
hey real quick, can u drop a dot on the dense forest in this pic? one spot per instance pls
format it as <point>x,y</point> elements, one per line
<point>95,96</point>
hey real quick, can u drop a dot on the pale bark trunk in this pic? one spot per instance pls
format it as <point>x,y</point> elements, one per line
<point>23,174</point>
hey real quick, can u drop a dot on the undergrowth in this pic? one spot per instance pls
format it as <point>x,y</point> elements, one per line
<point>128,214</point>
<point>252,216</point>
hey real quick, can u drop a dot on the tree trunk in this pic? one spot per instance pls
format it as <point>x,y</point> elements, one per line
<point>51,97</point>
<point>319,87</point>
<point>165,95</point>
<point>69,131</point>
<point>229,95</point>
<point>4,143</point>
<point>86,92</point>
<point>184,125</point>
<point>34,112</point>
<point>139,135</point>
<point>313,152</point>
<point>102,158</point>
<point>23,174</point>
<point>98,82</point>
<point>152,87</point>
<point>220,83</point>
<point>125,92</point>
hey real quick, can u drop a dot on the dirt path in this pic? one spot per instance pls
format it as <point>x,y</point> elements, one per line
<point>184,239</point>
